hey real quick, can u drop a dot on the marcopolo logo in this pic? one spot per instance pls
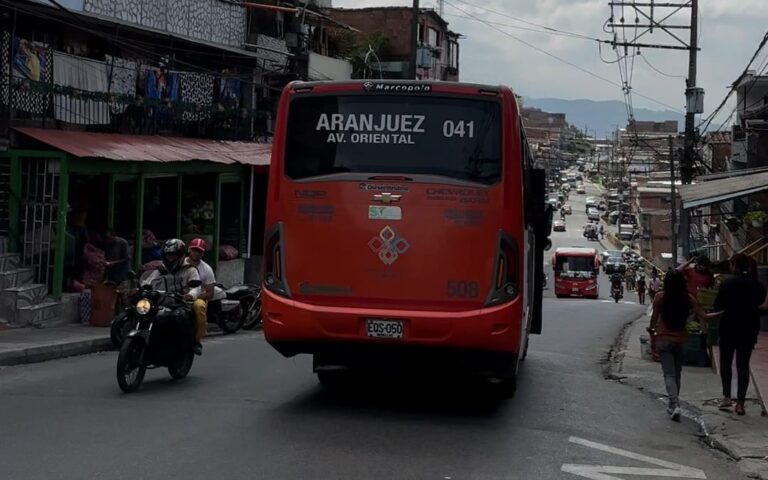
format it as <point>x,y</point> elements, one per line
<point>397,87</point>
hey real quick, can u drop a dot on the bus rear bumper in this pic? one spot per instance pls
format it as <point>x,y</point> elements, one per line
<point>294,327</point>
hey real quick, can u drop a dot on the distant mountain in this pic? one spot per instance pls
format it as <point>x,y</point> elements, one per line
<point>602,115</point>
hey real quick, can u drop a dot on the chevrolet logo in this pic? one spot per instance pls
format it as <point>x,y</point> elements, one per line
<point>386,198</point>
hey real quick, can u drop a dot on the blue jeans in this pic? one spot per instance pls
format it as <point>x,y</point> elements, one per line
<point>672,356</point>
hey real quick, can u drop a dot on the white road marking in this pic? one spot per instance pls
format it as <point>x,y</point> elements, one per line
<point>601,472</point>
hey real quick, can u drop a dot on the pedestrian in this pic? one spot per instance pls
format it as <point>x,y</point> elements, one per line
<point>654,286</point>
<point>641,289</point>
<point>698,274</point>
<point>671,308</point>
<point>739,299</point>
<point>117,256</point>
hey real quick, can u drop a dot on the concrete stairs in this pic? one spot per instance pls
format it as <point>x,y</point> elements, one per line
<point>24,303</point>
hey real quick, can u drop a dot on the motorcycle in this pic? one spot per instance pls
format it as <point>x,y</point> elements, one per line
<point>616,293</point>
<point>231,309</point>
<point>163,336</point>
<point>234,308</point>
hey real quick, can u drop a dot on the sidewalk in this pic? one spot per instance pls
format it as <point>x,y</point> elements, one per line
<point>745,439</point>
<point>31,345</point>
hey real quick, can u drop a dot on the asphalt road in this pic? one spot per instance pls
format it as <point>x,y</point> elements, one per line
<point>247,413</point>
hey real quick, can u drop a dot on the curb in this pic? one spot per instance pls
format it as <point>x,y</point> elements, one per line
<point>45,353</point>
<point>612,370</point>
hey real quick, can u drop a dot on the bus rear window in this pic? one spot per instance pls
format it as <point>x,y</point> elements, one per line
<point>453,137</point>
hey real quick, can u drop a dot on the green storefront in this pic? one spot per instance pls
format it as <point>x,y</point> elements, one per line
<point>145,187</point>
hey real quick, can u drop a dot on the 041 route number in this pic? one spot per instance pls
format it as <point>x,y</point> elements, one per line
<point>459,128</point>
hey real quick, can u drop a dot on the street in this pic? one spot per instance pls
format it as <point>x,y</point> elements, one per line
<point>246,412</point>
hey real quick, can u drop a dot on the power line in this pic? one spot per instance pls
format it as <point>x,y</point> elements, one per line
<point>571,64</point>
<point>518,27</point>
<point>643,57</point>
<point>503,14</point>
<point>714,113</point>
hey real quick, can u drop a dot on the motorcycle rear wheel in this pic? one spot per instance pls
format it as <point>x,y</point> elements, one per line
<point>230,322</point>
<point>182,366</point>
<point>130,373</point>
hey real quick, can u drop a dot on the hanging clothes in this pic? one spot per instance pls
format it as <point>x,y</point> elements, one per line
<point>121,80</point>
<point>82,74</point>
<point>229,92</point>
<point>196,88</point>
<point>26,62</point>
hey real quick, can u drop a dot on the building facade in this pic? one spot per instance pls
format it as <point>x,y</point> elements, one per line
<point>437,49</point>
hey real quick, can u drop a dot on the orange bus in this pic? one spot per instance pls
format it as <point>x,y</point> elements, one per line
<point>576,270</point>
<point>404,222</point>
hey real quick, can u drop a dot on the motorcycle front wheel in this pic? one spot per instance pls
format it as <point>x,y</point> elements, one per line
<point>252,313</point>
<point>130,372</point>
<point>182,366</point>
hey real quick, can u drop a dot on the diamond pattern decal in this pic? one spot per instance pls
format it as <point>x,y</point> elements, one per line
<point>388,245</point>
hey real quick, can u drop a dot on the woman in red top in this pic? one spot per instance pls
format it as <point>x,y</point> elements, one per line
<point>671,308</point>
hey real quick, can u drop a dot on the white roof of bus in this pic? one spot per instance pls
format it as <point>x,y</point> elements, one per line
<point>575,251</point>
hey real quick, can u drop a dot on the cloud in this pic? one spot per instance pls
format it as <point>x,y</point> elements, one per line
<point>729,33</point>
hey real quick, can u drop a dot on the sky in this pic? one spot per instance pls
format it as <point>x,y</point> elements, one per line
<point>729,33</point>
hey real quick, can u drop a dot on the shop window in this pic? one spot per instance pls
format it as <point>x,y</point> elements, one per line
<point>198,211</point>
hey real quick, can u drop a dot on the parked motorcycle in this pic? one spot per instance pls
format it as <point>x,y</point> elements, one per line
<point>233,308</point>
<point>163,336</point>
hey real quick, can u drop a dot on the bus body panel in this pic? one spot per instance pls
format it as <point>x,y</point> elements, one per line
<point>439,279</point>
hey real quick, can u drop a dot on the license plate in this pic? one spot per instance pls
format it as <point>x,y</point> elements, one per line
<point>384,328</point>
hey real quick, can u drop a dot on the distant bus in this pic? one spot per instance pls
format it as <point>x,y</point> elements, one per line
<point>576,271</point>
<point>404,220</point>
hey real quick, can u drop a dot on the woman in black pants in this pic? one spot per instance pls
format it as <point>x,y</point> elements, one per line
<point>739,299</point>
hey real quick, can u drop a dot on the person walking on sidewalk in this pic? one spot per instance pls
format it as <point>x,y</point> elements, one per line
<point>739,299</point>
<point>654,286</point>
<point>641,289</point>
<point>671,308</point>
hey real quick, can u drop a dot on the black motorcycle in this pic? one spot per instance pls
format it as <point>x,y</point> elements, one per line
<point>616,293</point>
<point>235,308</point>
<point>164,336</point>
<point>231,309</point>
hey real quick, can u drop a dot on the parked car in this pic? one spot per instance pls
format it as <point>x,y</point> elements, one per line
<point>558,226</point>
<point>593,214</point>
<point>613,265</point>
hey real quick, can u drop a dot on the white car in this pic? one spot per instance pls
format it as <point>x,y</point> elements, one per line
<point>593,214</point>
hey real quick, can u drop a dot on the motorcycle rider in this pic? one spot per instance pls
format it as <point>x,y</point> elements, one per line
<point>602,231</point>
<point>617,281</point>
<point>197,248</point>
<point>176,270</point>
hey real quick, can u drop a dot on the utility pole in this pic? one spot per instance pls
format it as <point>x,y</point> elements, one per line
<point>673,200</point>
<point>414,38</point>
<point>686,169</point>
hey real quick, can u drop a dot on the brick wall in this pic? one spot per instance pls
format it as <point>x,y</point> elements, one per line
<point>395,23</point>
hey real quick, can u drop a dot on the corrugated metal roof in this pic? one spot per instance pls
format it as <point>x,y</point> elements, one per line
<point>145,148</point>
<point>714,191</point>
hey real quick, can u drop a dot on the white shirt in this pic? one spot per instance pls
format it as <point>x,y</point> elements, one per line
<point>206,273</point>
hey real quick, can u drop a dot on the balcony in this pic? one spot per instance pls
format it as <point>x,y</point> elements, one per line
<point>43,105</point>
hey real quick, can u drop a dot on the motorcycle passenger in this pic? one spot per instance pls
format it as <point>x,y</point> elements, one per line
<point>178,272</point>
<point>197,249</point>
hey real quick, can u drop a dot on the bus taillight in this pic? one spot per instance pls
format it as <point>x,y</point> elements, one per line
<point>274,263</point>
<point>505,286</point>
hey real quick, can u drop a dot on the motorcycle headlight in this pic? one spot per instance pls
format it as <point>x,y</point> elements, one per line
<point>143,306</point>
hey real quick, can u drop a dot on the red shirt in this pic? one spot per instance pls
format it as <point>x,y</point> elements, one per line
<point>697,280</point>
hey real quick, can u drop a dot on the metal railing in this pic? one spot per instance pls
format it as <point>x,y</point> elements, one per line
<point>42,105</point>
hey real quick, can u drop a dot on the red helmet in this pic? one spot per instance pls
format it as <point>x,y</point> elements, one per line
<point>198,243</point>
